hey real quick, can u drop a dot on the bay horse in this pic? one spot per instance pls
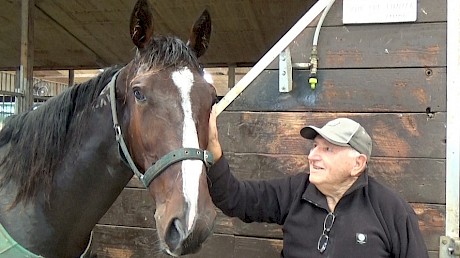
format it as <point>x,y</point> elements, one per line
<point>63,164</point>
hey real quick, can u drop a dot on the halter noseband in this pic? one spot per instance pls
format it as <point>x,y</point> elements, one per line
<point>162,164</point>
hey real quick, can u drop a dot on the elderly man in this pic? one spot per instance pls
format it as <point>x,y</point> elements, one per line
<point>335,210</point>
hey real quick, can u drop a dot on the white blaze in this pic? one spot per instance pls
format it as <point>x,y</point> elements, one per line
<point>191,169</point>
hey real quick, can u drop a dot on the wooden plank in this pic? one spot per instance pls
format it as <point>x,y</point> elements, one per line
<point>394,135</point>
<point>114,242</point>
<point>374,46</point>
<point>433,254</point>
<point>66,50</point>
<point>257,248</point>
<point>134,209</point>
<point>357,90</point>
<point>432,219</point>
<point>417,180</point>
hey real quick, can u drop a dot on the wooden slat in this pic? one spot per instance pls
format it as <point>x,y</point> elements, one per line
<point>54,46</point>
<point>417,180</point>
<point>117,242</point>
<point>432,219</point>
<point>394,135</point>
<point>357,90</point>
<point>374,46</point>
<point>257,248</point>
<point>134,208</point>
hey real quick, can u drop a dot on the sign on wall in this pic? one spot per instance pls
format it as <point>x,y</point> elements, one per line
<point>379,11</point>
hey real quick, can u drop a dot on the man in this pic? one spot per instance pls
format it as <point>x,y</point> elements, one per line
<point>337,210</point>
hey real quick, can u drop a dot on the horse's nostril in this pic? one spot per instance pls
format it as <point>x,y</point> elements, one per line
<point>175,235</point>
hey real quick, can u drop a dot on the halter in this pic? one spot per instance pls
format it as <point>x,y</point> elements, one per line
<point>162,164</point>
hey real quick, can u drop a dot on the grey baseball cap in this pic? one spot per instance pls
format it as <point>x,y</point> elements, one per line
<point>342,132</point>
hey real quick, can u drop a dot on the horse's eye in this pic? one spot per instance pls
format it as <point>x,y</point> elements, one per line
<point>138,94</point>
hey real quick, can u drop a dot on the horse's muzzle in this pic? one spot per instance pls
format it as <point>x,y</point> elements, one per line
<point>180,241</point>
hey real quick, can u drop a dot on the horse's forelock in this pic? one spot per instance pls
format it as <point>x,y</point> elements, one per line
<point>163,52</point>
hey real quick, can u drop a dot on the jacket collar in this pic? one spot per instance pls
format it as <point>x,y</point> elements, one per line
<point>314,196</point>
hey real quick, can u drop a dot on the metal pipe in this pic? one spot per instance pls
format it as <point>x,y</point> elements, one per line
<point>313,80</point>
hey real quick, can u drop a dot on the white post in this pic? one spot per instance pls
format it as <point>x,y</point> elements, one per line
<point>271,54</point>
<point>449,244</point>
<point>453,119</point>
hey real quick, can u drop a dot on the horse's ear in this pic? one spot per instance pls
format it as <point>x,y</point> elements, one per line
<point>201,34</point>
<point>141,25</point>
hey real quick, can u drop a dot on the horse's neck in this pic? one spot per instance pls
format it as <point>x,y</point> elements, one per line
<point>87,182</point>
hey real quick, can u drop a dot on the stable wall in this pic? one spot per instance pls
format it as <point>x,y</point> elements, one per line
<point>389,77</point>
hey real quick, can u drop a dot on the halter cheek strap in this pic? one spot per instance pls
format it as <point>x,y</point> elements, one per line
<point>162,164</point>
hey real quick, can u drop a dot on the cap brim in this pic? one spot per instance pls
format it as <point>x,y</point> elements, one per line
<point>310,132</point>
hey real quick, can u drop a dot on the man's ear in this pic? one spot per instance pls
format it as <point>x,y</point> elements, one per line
<point>360,165</point>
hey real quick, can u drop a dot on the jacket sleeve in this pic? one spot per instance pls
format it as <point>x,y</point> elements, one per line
<point>410,242</point>
<point>251,200</point>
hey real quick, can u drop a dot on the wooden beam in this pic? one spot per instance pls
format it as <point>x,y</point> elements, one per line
<point>134,211</point>
<point>27,56</point>
<point>71,77</point>
<point>231,76</point>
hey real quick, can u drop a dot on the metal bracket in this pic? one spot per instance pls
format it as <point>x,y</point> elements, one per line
<point>285,71</point>
<point>449,247</point>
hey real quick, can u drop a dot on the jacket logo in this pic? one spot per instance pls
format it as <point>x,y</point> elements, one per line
<point>361,238</point>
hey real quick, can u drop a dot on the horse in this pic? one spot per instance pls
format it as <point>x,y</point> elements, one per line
<point>63,164</point>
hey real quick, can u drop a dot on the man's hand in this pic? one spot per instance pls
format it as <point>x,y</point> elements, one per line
<point>213,140</point>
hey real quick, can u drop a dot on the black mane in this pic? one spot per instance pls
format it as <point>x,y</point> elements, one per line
<point>34,142</point>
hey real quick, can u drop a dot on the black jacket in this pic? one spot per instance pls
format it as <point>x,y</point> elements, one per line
<point>370,219</point>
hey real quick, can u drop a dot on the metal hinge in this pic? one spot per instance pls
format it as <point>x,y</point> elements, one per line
<point>449,247</point>
<point>285,71</point>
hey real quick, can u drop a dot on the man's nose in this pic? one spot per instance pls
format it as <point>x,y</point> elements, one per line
<point>313,154</point>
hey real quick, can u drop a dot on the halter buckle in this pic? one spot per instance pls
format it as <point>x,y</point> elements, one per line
<point>206,155</point>
<point>117,131</point>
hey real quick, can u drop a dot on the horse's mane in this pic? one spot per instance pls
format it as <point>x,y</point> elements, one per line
<point>34,142</point>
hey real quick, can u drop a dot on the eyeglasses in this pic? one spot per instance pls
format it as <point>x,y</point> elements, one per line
<point>324,238</point>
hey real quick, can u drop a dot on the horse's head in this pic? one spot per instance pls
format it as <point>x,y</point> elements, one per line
<point>167,104</point>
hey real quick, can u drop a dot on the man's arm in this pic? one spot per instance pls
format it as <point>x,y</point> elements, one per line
<point>213,136</point>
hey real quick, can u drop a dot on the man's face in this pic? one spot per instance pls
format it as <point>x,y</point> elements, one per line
<point>330,165</point>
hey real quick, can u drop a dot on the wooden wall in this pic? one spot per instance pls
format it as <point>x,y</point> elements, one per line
<point>389,77</point>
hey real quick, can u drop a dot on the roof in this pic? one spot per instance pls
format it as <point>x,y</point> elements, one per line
<point>76,34</point>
